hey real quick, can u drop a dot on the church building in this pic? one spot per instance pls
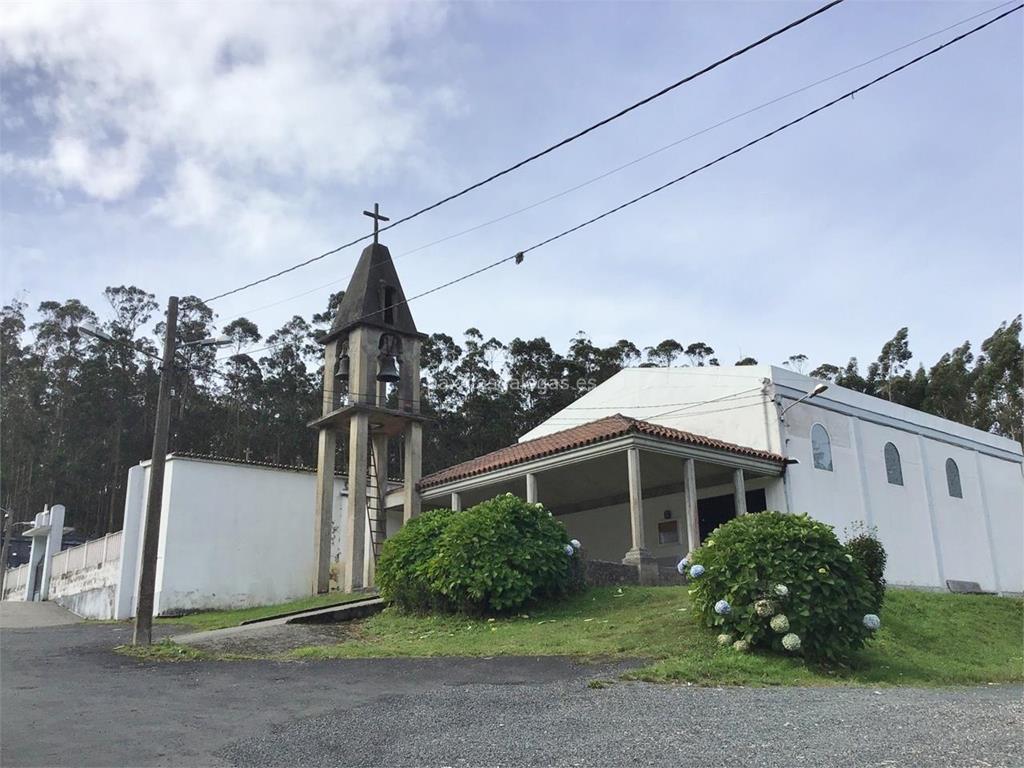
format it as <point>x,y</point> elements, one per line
<point>646,465</point>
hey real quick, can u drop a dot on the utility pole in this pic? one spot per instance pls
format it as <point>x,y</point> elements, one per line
<point>151,535</point>
<point>8,527</point>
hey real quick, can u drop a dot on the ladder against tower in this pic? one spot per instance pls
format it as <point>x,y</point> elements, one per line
<point>371,395</point>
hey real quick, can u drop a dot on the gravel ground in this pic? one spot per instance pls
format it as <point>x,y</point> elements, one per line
<point>66,699</point>
<point>567,724</point>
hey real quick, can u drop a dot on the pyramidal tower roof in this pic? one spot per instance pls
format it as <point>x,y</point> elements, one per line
<point>374,297</point>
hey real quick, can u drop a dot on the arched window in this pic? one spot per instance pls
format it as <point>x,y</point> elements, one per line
<point>953,479</point>
<point>821,448</point>
<point>893,469</point>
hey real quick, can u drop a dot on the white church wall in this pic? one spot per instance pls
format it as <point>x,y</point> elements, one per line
<point>1001,483</point>
<point>725,403</point>
<point>929,535</point>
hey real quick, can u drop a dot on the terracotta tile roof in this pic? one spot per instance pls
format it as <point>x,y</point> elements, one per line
<point>597,431</point>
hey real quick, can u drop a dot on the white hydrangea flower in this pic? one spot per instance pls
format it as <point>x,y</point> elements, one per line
<point>575,543</point>
<point>725,639</point>
<point>781,590</point>
<point>682,565</point>
<point>741,645</point>
<point>791,642</point>
<point>872,622</point>
<point>764,608</point>
<point>780,623</point>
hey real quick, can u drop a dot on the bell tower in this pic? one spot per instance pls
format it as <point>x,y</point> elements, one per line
<point>371,396</point>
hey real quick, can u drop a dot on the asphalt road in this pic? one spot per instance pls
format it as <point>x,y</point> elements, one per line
<point>66,699</point>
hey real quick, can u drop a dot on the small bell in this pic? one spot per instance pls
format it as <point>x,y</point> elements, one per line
<point>341,368</point>
<point>388,369</point>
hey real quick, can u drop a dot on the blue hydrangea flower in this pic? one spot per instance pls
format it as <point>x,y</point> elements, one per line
<point>682,565</point>
<point>696,571</point>
<point>722,608</point>
<point>569,550</point>
<point>872,622</point>
<point>575,543</point>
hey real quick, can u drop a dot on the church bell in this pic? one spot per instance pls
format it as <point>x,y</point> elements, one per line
<point>341,369</point>
<point>387,371</point>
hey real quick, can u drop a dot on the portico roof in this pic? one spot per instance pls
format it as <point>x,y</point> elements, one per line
<point>607,428</point>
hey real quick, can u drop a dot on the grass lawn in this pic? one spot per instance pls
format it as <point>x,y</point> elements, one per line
<point>221,619</point>
<point>926,639</point>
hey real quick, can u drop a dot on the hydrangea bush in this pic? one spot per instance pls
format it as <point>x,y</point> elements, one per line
<point>493,557</point>
<point>863,544</point>
<point>780,581</point>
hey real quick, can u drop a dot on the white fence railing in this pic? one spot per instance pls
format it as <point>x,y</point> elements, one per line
<point>91,554</point>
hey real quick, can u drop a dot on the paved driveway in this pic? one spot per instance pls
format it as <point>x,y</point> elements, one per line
<point>67,700</point>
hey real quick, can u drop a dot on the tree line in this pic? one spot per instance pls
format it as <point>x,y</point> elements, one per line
<point>76,412</point>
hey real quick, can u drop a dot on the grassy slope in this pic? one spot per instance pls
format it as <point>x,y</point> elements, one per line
<point>926,639</point>
<point>220,619</point>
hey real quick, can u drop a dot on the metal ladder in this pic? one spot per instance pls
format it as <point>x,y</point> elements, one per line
<point>374,513</point>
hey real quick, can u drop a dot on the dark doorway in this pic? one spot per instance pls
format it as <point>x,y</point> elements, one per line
<point>715,510</point>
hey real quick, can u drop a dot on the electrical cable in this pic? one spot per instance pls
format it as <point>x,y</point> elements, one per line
<point>639,159</point>
<point>543,152</point>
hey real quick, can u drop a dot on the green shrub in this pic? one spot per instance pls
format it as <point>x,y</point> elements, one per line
<point>500,554</point>
<point>402,567</point>
<point>493,557</point>
<point>863,543</point>
<point>827,593</point>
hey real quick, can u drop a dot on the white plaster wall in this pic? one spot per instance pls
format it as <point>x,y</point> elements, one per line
<point>929,535</point>
<point>739,412</point>
<point>1002,483</point>
<point>834,497</point>
<point>89,592</point>
<point>234,535</point>
<point>19,574</point>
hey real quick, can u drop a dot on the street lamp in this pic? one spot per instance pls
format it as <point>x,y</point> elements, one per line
<point>818,389</point>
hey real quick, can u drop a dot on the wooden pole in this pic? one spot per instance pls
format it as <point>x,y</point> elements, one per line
<point>8,526</point>
<point>151,535</point>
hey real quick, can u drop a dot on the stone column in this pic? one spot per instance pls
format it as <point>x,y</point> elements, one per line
<point>638,555</point>
<point>531,488</point>
<point>355,522</point>
<point>739,492</point>
<point>325,465</point>
<point>413,466</point>
<point>456,502</point>
<point>690,496</point>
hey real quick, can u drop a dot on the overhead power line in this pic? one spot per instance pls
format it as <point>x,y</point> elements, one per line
<point>641,158</point>
<point>548,150</point>
<point>518,257</point>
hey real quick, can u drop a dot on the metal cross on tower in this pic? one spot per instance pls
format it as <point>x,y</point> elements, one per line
<point>377,217</point>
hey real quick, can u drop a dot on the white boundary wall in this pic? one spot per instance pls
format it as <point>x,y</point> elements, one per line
<point>232,535</point>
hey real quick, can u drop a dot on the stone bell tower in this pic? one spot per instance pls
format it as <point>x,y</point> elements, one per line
<point>372,396</point>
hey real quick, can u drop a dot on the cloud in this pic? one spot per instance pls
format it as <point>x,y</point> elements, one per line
<point>196,105</point>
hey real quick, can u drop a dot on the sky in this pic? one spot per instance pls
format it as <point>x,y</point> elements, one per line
<point>190,148</point>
